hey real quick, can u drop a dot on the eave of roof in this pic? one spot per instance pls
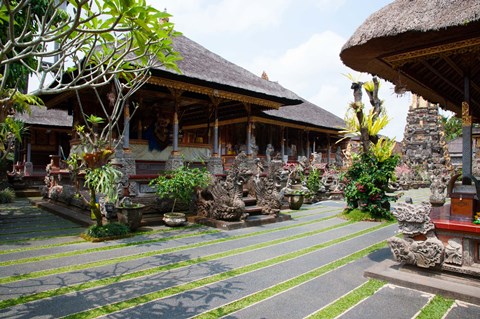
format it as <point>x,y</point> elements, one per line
<point>411,32</point>
<point>46,117</point>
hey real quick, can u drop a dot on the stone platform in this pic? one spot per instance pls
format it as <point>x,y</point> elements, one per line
<point>450,285</point>
<point>251,221</point>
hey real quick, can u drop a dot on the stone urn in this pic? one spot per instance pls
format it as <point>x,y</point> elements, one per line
<point>130,214</point>
<point>295,202</point>
<point>296,195</point>
<point>174,219</point>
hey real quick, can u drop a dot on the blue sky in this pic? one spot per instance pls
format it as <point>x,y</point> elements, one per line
<point>297,43</point>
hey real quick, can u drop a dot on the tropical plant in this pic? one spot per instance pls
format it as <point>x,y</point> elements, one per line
<point>181,183</point>
<point>314,180</point>
<point>367,179</point>
<point>87,45</point>
<point>366,183</point>
<point>7,195</point>
<point>11,131</point>
<point>91,44</point>
<point>452,126</point>
<point>100,176</point>
<point>111,230</point>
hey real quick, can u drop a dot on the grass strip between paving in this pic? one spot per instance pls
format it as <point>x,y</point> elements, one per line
<point>74,242</point>
<point>155,270</point>
<point>118,306</point>
<point>150,241</point>
<point>349,300</point>
<point>40,230</point>
<point>436,308</point>
<point>102,249</point>
<point>361,292</point>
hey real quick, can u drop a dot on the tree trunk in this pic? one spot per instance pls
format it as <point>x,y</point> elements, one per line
<point>358,107</point>
<point>94,208</point>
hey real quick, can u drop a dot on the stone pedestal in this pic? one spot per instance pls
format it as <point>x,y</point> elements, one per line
<point>173,162</point>
<point>215,165</point>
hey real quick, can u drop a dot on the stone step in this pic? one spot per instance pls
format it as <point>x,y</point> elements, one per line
<point>28,192</point>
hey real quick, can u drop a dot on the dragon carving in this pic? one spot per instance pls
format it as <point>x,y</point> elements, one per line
<point>413,221</point>
<point>268,189</point>
<point>223,199</point>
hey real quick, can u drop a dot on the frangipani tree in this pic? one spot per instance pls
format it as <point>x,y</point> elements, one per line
<point>65,45</point>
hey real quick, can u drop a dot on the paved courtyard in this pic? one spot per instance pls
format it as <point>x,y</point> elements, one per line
<point>310,266</point>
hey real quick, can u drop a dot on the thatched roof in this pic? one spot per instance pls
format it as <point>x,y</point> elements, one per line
<point>202,66</point>
<point>424,45</point>
<point>309,114</point>
<point>403,16</point>
<point>46,117</point>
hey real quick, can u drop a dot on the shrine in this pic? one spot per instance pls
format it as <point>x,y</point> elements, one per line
<point>438,59</point>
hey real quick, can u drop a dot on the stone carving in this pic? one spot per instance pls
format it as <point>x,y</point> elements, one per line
<point>414,222</point>
<point>424,148</point>
<point>268,152</point>
<point>413,219</point>
<point>454,252</point>
<point>268,189</point>
<point>425,254</point>
<point>437,187</point>
<point>338,157</point>
<point>223,199</point>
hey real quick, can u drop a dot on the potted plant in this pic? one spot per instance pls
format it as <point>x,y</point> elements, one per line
<point>295,189</point>
<point>180,185</point>
<point>101,177</point>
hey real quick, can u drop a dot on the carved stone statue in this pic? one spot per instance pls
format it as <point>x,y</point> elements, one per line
<point>338,157</point>
<point>268,152</point>
<point>414,221</point>
<point>437,187</point>
<point>223,199</point>
<point>268,188</point>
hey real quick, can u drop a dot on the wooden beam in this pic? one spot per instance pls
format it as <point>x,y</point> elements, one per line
<point>443,78</point>
<point>460,72</point>
<point>213,92</point>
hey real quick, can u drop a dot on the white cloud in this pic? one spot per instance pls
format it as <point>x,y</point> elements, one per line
<point>304,68</point>
<point>328,5</point>
<point>197,17</point>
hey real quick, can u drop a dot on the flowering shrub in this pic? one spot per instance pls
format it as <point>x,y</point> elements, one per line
<point>366,183</point>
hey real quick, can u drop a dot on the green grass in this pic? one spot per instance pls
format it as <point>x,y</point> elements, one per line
<point>118,306</point>
<point>74,242</point>
<point>150,241</point>
<point>349,300</point>
<point>155,270</point>
<point>358,215</point>
<point>436,308</point>
<point>277,289</point>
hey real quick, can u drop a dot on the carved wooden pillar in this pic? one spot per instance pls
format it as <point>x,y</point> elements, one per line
<point>214,164</point>
<point>466,131</point>
<point>282,140</point>
<point>126,126</point>
<point>175,160</point>
<point>308,144</point>
<point>329,149</point>
<point>175,132</point>
<point>249,130</point>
